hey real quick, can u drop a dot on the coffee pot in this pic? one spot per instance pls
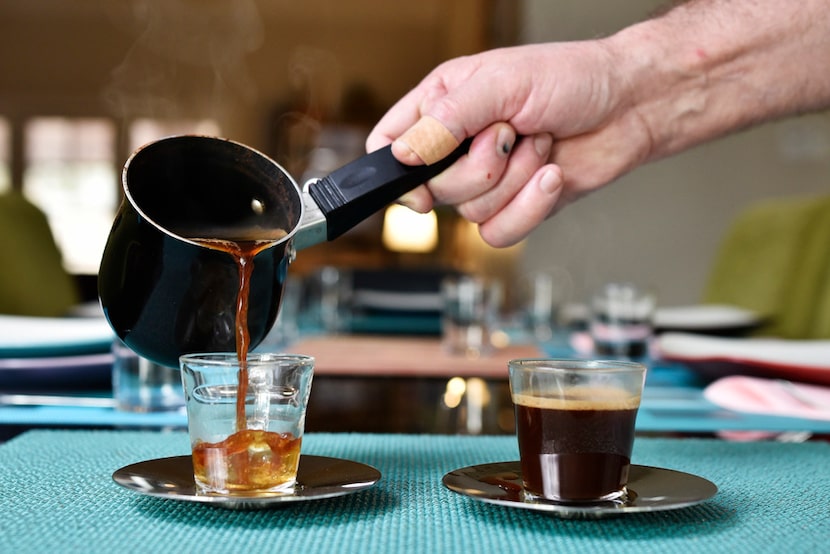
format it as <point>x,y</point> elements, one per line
<point>165,293</point>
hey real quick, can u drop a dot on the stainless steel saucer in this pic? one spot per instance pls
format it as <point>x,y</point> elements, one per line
<point>318,477</point>
<point>650,489</point>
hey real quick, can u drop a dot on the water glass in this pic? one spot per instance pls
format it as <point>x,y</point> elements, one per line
<point>139,385</point>
<point>622,320</point>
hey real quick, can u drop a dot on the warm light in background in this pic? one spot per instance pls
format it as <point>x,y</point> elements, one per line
<point>405,230</point>
<point>5,155</point>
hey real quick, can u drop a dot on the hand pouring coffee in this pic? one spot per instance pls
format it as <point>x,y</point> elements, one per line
<point>204,218</point>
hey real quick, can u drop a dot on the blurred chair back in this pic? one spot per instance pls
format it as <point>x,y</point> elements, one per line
<point>775,260</point>
<point>33,280</point>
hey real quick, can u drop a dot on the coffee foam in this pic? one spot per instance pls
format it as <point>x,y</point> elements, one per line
<point>581,398</point>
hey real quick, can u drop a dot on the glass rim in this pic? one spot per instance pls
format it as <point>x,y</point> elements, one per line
<point>571,365</point>
<point>254,359</point>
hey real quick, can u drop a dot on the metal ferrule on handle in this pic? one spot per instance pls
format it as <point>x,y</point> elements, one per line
<point>312,227</point>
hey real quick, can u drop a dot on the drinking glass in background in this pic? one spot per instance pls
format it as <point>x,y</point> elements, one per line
<point>575,422</point>
<point>257,449</point>
<point>139,385</point>
<point>469,315</point>
<point>286,329</point>
<point>330,298</point>
<point>622,320</point>
<point>542,295</point>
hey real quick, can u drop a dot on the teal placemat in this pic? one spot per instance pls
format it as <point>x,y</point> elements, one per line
<point>57,495</point>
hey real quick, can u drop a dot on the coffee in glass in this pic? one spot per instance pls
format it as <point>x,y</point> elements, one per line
<point>575,422</point>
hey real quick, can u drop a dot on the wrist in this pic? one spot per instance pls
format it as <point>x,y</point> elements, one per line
<point>669,85</point>
<point>710,67</point>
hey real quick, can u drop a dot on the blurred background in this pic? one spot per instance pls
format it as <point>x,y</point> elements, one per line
<point>85,83</point>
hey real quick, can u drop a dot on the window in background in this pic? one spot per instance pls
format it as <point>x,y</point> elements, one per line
<point>70,173</point>
<point>5,155</point>
<point>143,131</point>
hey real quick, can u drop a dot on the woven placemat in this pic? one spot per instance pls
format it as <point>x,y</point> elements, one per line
<point>57,495</point>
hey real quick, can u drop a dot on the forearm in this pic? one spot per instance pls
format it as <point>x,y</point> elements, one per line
<point>710,67</point>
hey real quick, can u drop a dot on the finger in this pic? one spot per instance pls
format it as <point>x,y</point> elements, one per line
<point>475,172</point>
<point>418,199</point>
<point>403,114</point>
<point>479,171</point>
<point>428,141</point>
<point>457,100</point>
<point>526,210</point>
<point>530,154</point>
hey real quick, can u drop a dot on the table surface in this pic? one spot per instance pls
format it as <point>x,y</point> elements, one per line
<point>58,496</point>
<point>672,402</point>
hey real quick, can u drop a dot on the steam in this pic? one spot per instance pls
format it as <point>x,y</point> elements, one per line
<point>182,49</point>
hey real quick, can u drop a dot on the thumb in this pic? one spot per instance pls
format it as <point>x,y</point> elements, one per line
<point>426,142</point>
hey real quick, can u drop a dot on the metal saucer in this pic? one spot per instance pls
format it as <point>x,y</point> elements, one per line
<point>650,489</point>
<point>318,477</point>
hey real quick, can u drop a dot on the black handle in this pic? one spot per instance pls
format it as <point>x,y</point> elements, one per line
<point>365,186</point>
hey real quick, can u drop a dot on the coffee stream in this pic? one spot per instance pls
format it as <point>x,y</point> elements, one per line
<point>243,252</point>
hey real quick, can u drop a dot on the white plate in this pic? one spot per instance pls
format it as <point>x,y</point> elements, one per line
<point>318,477</point>
<point>22,336</point>
<point>713,357</point>
<point>650,489</point>
<point>706,318</point>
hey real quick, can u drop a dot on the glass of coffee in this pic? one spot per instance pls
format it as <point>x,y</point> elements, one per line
<point>246,420</point>
<point>575,426</point>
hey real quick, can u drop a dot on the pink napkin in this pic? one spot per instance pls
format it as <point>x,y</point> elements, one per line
<point>770,397</point>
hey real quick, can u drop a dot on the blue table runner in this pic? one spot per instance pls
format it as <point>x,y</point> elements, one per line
<point>57,495</point>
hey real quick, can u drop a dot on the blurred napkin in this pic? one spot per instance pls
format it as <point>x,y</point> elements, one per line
<point>805,361</point>
<point>776,397</point>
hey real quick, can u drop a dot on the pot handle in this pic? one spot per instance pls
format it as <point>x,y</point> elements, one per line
<point>365,186</point>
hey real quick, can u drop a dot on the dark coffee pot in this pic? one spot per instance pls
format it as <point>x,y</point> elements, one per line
<point>165,294</point>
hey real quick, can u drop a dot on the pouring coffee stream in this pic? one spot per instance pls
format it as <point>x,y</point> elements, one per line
<point>243,253</point>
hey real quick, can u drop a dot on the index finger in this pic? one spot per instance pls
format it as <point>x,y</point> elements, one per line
<point>400,117</point>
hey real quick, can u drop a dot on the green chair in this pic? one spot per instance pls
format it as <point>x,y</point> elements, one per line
<point>775,260</point>
<point>33,280</point>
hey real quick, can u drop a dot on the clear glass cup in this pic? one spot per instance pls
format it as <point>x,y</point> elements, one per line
<point>251,446</point>
<point>469,315</point>
<point>575,422</point>
<point>140,385</point>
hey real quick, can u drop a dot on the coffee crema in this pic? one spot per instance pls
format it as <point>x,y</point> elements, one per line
<point>581,398</point>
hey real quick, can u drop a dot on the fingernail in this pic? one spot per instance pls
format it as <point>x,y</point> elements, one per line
<point>505,140</point>
<point>550,182</point>
<point>542,143</point>
<point>403,152</point>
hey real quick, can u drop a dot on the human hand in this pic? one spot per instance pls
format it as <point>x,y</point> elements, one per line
<point>508,186</point>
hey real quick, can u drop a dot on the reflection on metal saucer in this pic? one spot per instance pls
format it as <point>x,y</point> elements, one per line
<point>318,477</point>
<point>650,489</point>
